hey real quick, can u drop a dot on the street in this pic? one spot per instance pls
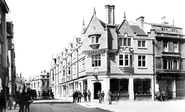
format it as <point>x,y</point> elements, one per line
<point>61,107</point>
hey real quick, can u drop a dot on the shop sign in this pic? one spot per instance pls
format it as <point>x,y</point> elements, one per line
<point>94,52</point>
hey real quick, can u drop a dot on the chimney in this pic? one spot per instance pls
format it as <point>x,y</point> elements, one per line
<point>110,15</point>
<point>140,22</point>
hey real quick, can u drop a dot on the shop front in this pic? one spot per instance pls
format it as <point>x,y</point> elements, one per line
<point>173,85</point>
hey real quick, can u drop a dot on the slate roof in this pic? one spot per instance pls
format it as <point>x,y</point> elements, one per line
<point>137,30</point>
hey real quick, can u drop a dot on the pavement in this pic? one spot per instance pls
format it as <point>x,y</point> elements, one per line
<point>124,106</point>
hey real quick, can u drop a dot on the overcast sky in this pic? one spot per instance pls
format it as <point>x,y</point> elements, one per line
<point>44,27</point>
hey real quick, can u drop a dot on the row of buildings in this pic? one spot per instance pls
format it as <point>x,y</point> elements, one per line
<point>7,52</point>
<point>135,59</point>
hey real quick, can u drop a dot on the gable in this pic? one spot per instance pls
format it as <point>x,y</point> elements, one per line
<point>95,26</point>
<point>125,28</point>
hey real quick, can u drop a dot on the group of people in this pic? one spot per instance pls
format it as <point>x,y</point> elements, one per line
<point>102,94</point>
<point>22,99</point>
<point>77,96</point>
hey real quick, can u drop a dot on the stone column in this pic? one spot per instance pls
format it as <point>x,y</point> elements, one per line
<point>131,88</point>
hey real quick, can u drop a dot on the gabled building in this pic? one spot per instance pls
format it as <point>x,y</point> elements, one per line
<point>123,58</point>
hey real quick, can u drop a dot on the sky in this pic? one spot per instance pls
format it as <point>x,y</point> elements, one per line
<point>42,28</point>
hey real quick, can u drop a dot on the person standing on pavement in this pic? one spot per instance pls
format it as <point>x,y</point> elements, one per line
<point>79,96</point>
<point>109,97</point>
<point>102,96</point>
<point>10,102</point>
<point>99,96</point>
<point>85,96</point>
<point>89,95</point>
<point>118,96</point>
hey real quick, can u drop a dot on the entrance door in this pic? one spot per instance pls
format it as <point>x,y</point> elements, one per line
<point>97,87</point>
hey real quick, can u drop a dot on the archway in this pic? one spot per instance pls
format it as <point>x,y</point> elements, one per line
<point>97,87</point>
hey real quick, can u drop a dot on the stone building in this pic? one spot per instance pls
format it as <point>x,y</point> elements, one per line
<point>119,57</point>
<point>5,38</point>
<point>40,83</point>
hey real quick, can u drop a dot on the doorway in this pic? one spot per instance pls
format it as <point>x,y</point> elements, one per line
<point>97,87</point>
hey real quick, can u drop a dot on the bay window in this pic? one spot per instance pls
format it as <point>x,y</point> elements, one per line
<point>125,60</point>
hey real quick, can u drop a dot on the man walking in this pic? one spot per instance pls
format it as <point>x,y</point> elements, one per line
<point>85,95</point>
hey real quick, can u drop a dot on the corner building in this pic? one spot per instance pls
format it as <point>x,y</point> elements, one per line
<point>119,57</point>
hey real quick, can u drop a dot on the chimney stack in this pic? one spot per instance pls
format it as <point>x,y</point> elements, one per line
<point>110,15</point>
<point>140,22</point>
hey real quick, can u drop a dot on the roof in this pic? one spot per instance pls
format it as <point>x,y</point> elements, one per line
<point>137,29</point>
<point>4,5</point>
<point>164,25</point>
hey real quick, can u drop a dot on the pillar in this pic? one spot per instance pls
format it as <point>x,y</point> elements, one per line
<point>131,88</point>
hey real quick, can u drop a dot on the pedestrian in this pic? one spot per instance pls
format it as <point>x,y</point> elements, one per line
<point>102,96</point>
<point>16,99</point>
<point>99,96</point>
<point>22,101</point>
<point>85,95</point>
<point>28,102</point>
<point>109,97</point>
<point>89,95</point>
<point>10,102</point>
<point>2,101</point>
<point>118,96</point>
<point>79,96</point>
<point>74,97</point>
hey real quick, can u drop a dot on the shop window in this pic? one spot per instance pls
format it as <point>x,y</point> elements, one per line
<point>96,60</point>
<point>141,61</point>
<point>119,85</point>
<point>142,86</point>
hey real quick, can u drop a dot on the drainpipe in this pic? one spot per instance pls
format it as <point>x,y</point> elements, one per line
<point>154,73</point>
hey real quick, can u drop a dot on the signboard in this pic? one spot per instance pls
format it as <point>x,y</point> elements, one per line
<point>94,52</point>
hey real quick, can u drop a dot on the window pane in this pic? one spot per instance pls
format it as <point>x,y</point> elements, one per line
<point>143,64</point>
<point>92,39</point>
<point>139,43</point>
<point>126,60</point>
<point>97,39</point>
<point>175,64</point>
<point>129,41</point>
<point>139,63</point>
<point>125,42</point>
<point>143,43</point>
<point>165,64</point>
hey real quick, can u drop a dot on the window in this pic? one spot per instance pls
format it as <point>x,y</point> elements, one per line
<point>94,39</point>
<point>125,41</point>
<point>119,85</point>
<point>125,60</point>
<point>165,46</point>
<point>142,86</point>
<point>74,67</point>
<point>83,64</point>
<point>171,64</point>
<point>141,43</point>
<point>175,47</point>
<point>69,70</point>
<point>141,61</point>
<point>121,60</point>
<point>96,60</point>
<point>63,73</point>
